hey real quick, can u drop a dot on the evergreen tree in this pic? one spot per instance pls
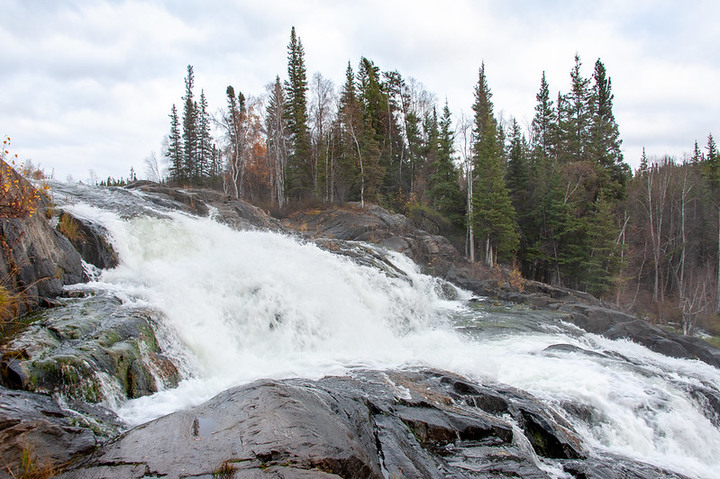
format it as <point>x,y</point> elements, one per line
<point>544,124</point>
<point>518,173</point>
<point>494,216</point>
<point>374,103</point>
<point>538,248</point>
<point>444,188</point>
<point>644,161</point>
<point>278,139</point>
<point>299,174</point>
<point>404,124</point>
<point>189,129</point>
<point>604,138</point>
<point>712,164</point>
<point>174,152</point>
<point>697,156</point>
<point>574,117</point>
<point>350,124</point>
<point>206,146</point>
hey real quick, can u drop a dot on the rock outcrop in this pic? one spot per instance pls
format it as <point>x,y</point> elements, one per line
<point>237,214</point>
<point>420,424</point>
<point>85,347</point>
<point>52,432</point>
<point>375,225</point>
<point>36,261</point>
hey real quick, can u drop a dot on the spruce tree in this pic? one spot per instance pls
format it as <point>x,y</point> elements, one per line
<point>518,172</point>
<point>712,164</point>
<point>493,213</point>
<point>538,249</point>
<point>349,183</point>
<point>574,117</point>
<point>205,141</point>
<point>189,129</point>
<point>299,165</point>
<point>604,141</point>
<point>375,103</point>
<point>544,124</point>
<point>174,152</point>
<point>278,140</point>
<point>444,188</point>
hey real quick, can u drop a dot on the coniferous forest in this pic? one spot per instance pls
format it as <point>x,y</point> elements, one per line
<point>557,202</point>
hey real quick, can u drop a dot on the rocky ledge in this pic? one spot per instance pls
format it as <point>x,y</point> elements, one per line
<point>411,423</point>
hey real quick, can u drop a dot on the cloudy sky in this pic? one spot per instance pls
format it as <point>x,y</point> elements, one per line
<point>88,85</point>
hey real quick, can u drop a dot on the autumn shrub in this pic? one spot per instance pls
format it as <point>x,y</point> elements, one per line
<point>515,278</point>
<point>18,198</point>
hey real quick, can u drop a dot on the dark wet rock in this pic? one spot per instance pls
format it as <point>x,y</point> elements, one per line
<point>36,261</point>
<point>375,225</point>
<point>236,213</point>
<point>412,423</point>
<point>77,349</point>
<point>55,432</point>
<point>571,349</point>
<point>92,242</point>
<point>241,215</point>
<point>610,466</point>
<point>172,198</point>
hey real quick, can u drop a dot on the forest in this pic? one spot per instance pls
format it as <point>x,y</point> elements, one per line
<point>557,201</point>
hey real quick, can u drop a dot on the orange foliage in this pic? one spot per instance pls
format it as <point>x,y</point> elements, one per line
<point>18,198</point>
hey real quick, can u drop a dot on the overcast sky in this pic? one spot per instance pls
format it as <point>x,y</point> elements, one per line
<point>89,84</point>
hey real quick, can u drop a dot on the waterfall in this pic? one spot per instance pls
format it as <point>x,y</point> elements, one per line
<point>244,305</point>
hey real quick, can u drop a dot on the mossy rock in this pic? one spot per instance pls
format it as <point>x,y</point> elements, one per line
<point>73,350</point>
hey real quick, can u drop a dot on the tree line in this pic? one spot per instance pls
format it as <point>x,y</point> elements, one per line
<point>558,201</point>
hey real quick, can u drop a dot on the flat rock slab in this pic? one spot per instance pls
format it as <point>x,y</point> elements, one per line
<point>410,423</point>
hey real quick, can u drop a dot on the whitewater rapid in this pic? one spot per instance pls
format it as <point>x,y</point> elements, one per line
<point>244,305</point>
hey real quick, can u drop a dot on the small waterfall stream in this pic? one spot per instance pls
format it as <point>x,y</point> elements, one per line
<point>244,305</point>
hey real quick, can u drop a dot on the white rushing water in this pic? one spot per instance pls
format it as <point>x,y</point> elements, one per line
<point>247,305</point>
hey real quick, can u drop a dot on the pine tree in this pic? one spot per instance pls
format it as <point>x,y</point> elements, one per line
<point>205,141</point>
<point>574,117</point>
<point>444,188</point>
<point>189,129</point>
<point>644,161</point>
<point>518,172</point>
<point>544,124</point>
<point>494,216</point>
<point>538,253</point>
<point>604,141</point>
<point>174,152</point>
<point>278,139</point>
<point>374,103</point>
<point>349,183</point>
<point>697,156</point>
<point>712,164</point>
<point>299,165</point>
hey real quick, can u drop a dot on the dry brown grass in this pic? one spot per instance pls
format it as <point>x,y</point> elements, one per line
<point>69,227</point>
